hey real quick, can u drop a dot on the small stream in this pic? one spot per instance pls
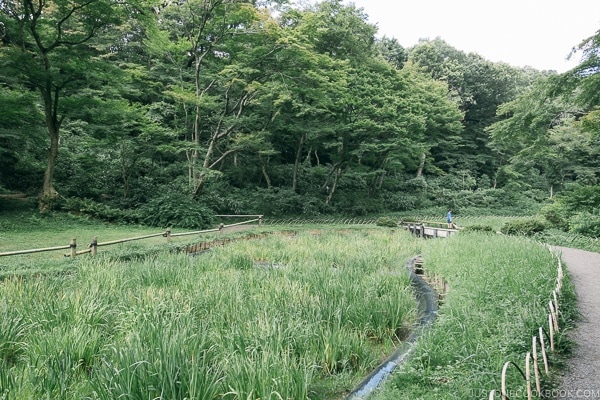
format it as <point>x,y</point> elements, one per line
<point>427,300</point>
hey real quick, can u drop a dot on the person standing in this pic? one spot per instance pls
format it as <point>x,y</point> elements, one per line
<point>449,219</point>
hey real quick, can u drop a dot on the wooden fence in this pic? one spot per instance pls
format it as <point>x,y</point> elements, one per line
<point>92,247</point>
<point>533,356</point>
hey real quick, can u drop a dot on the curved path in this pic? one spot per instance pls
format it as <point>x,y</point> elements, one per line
<point>582,377</point>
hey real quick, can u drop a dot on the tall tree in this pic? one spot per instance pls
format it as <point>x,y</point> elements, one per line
<point>479,86</point>
<point>534,134</point>
<point>52,46</point>
<point>211,54</point>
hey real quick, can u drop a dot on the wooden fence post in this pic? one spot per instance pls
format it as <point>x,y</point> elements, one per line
<point>260,220</point>
<point>94,245</point>
<point>221,226</point>
<point>73,246</point>
<point>167,234</point>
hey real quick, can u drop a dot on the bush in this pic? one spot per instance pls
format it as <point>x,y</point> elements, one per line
<point>478,228</point>
<point>386,221</point>
<point>585,223</point>
<point>175,209</point>
<point>527,227</point>
<point>100,211</point>
<point>557,215</point>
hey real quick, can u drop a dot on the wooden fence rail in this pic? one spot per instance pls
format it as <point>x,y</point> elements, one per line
<point>92,247</point>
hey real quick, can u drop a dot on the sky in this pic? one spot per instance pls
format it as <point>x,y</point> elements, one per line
<point>535,33</point>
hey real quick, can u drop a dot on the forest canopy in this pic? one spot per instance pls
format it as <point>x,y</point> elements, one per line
<point>155,112</point>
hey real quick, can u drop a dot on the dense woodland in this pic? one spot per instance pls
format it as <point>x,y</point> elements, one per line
<point>167,112</point>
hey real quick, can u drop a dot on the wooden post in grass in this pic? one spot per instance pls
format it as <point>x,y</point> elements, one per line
<point>167,234</point>
<point>554,314</point>
<point>551,329</point>
<point>221,226</point>
<point>73,246</point>
<point>543,346</point>
<point>528,375</point>
<point>94,246</point>
<point>260,220</point>
<point>503,381</point>
<point>536,367</point>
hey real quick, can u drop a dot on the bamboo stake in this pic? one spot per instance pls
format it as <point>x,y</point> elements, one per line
<point>551,328</point>
<point>528,375</point>
<point>543,346</point>
<point>503,390</point>
<point>536,368</point>
<point>554,316</point>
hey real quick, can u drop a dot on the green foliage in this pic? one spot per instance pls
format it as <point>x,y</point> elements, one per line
<point>576,210</point>
<point>309,325</point>
<point>585,223</point>
<point>499,291</point>
<point>557,214</point>
<point>387,221</point>
<point>478,228</point>
<point>175,209</point>
<point>526,227</point>
<point>302,112</point>
<point>560,238</point>
<point>99,211</point>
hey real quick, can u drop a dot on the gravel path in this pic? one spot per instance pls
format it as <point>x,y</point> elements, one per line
<point>582,378</point>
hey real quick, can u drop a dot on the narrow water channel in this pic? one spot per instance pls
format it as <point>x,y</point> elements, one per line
<point>427,300</point>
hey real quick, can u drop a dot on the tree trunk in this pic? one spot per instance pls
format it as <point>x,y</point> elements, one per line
<point>49,194</point>
<point>297,162</point>
<point>421,165</point>
<point>266,175</point>
<point>336,177</point>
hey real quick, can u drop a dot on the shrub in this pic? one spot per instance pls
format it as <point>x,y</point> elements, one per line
<point>175,209</point>
<point>387,221</point>
<point>585,223</point>
<point>557,215</point>
<point>478,228</point>
<point>527,227</point>
<point>100,211</point>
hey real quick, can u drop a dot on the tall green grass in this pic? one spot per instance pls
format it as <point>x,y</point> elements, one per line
<point>499,288</point>
<point>286,317</point>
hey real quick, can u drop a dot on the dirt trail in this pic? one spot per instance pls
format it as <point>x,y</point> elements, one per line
<point>582,378</point>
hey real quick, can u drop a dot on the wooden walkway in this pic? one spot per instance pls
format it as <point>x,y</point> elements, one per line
<point>429,230</point>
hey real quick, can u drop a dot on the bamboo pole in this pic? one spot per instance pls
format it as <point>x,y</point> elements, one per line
<point>503,383</point>
<point>551,329</point>
<point>528,375</point>
<point>554,315</point>
<point>543,346</point>
<point>536,368</point>
<point>17,252</point>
